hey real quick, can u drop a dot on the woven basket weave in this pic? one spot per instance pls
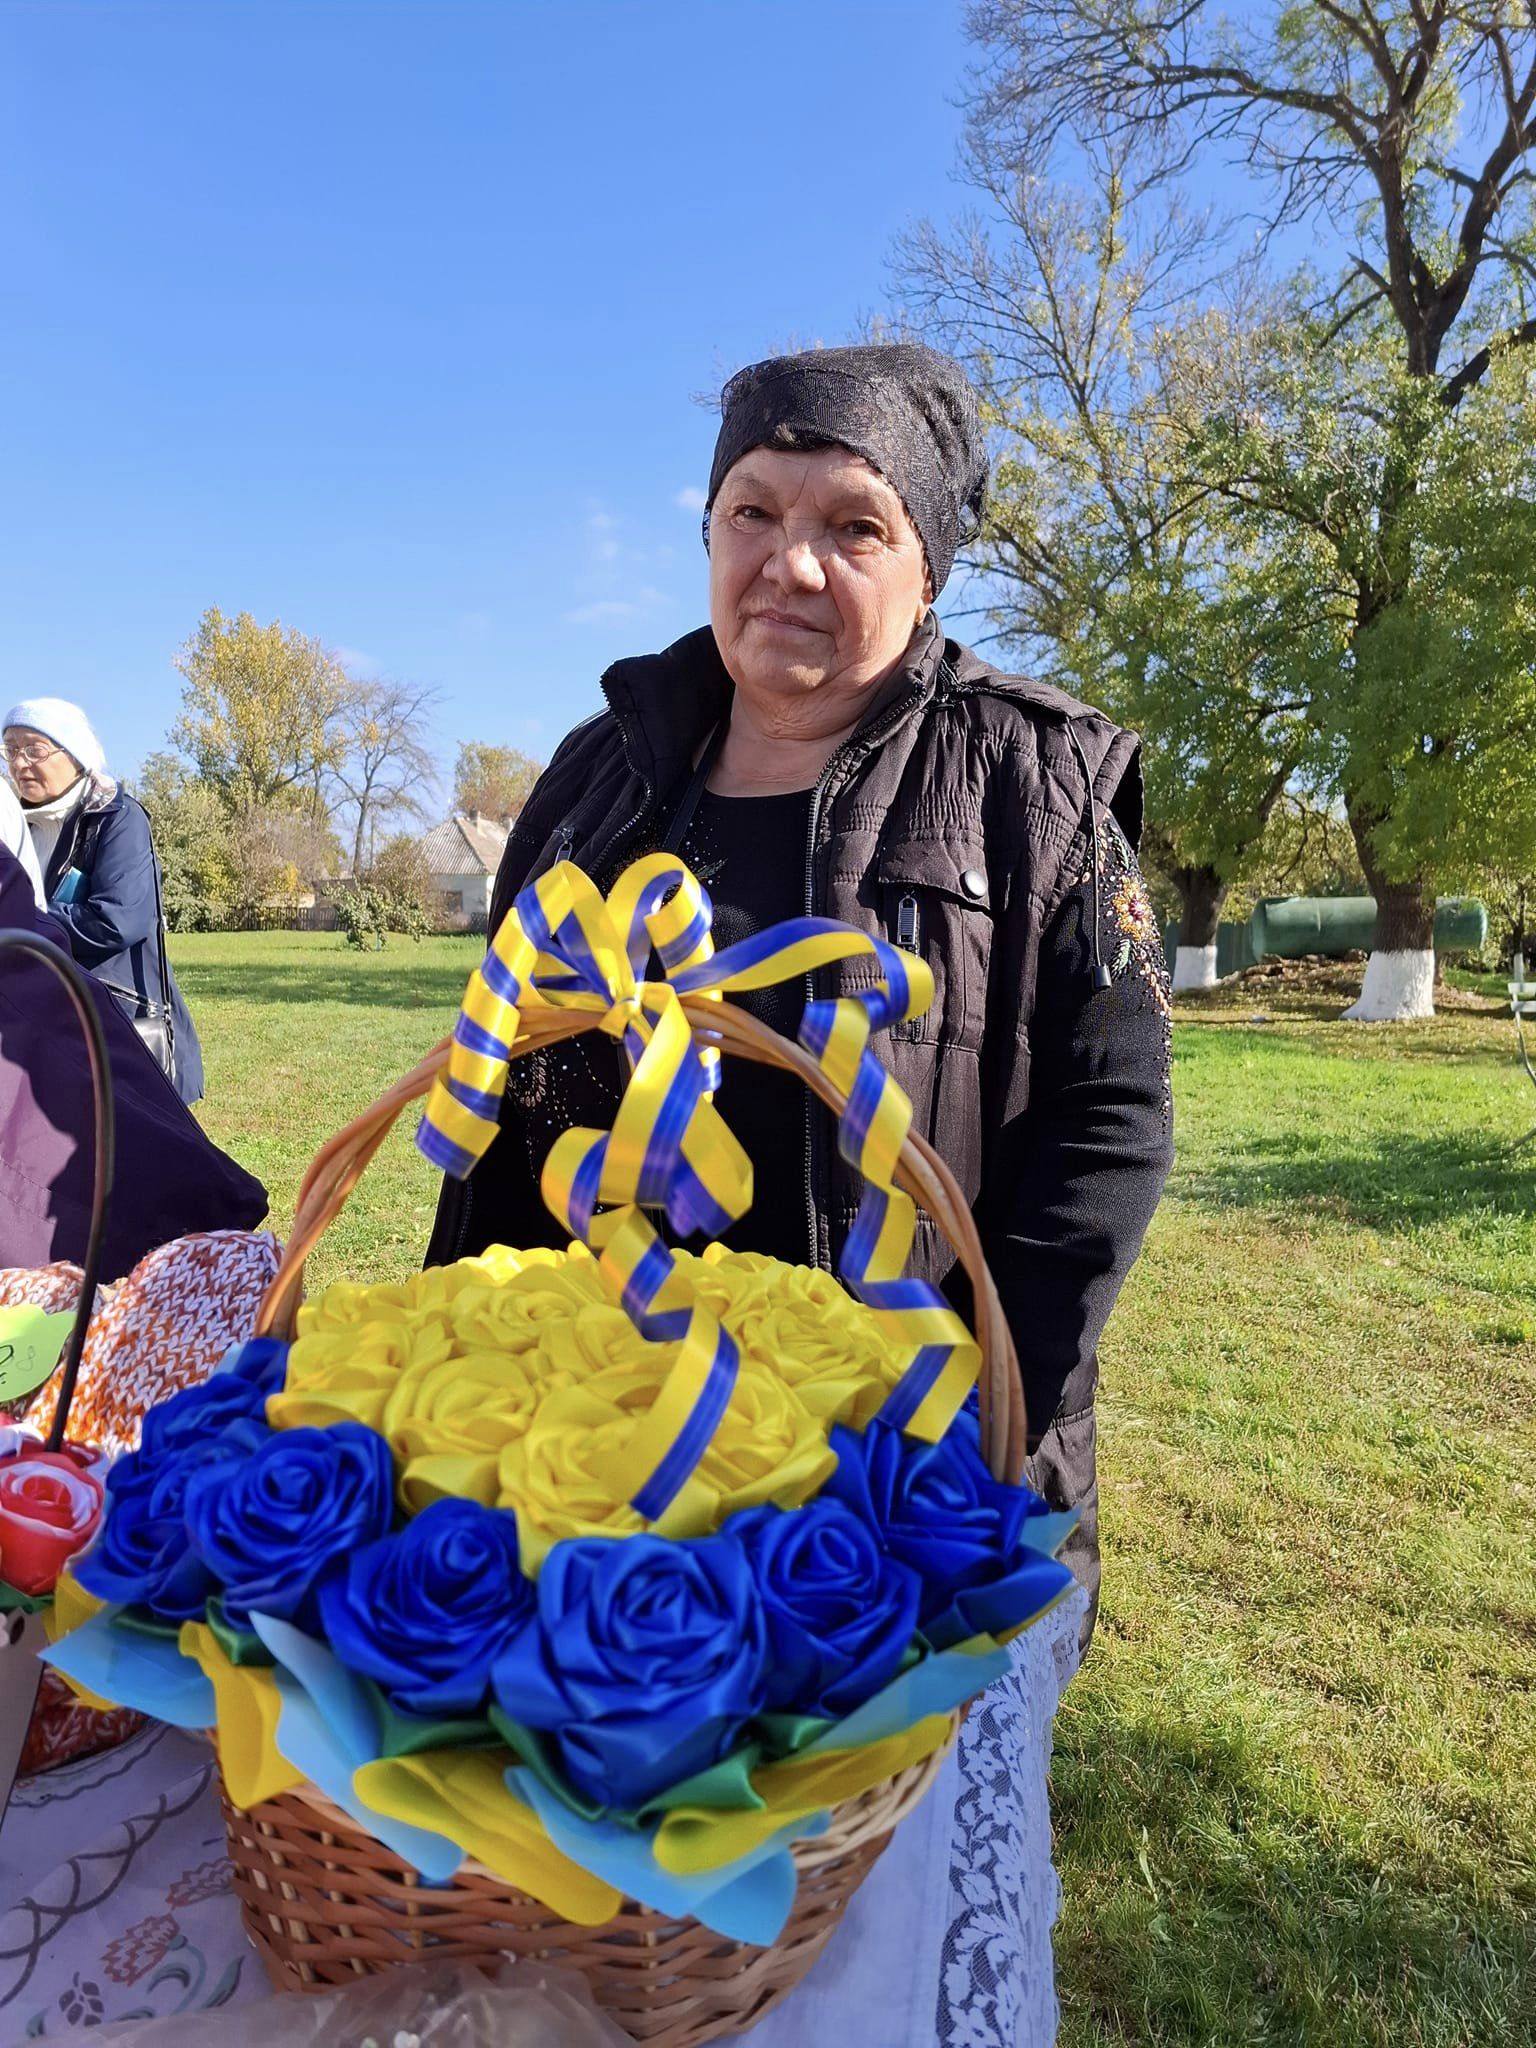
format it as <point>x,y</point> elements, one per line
<point>324,1902</point>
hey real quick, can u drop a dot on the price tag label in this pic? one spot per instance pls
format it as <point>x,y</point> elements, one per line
<point>31,1344</point>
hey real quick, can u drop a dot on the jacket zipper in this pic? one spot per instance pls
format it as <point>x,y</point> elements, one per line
<point>617,839</point>
<point>861,742</point>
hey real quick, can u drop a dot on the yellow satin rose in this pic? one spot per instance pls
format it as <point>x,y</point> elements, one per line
<point>448,1420</point>
<point>723,1281</point>
<point>515,1378</point>
<point>601,1339</point>
<point>828,1347</point>
<point>768,1447</point>
<point>436,1291</point>
<point>515,1314</point>
<point>346,1375</point>
<point>562,1477</point>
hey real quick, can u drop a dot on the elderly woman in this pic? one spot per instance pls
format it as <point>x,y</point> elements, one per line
<point>100,876</point>
<point>822,747</point>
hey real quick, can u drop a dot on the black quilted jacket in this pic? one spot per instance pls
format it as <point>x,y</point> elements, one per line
<point>965,795</point>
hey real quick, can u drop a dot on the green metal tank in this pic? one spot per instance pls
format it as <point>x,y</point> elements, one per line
<point>1285,927</point>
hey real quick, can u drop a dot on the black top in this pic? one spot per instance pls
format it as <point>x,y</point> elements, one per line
<point>749,853</point>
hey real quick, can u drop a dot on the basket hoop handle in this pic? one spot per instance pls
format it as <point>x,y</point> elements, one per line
<point>921,1173</point>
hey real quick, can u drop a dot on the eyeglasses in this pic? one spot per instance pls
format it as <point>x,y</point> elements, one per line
<point>32,752</point>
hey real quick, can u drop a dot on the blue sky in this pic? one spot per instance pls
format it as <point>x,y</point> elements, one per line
<point>387,320</point>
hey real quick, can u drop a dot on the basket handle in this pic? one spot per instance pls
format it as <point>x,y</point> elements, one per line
<point>342,1160</point>
<point>105,1135</point>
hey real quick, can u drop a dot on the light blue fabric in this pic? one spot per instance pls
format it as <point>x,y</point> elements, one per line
<point>936,1686</point>
<point>135,1670</point>
<point>327,1728</point>
<point>748,1900</point>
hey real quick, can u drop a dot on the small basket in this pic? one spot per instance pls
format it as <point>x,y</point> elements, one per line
<point>324,1902</point>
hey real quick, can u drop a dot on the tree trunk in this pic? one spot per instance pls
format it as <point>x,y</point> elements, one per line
<point>1202,892</point>
<point>1400,973</point>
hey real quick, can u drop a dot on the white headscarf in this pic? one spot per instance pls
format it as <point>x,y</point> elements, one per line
<point>68,727</point>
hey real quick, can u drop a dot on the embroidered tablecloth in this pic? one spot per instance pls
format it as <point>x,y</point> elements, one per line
<point>117,1882</point>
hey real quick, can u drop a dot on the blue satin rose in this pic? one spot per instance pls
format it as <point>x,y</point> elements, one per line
<point>144,1555</point>
<point>648,1658</point>
<point>261,1360</point>
<point>937,1508</point>
<point>269,1528</point>
<point>841,1614</point>
<point>227,1401</point>
<point>425,1612</point>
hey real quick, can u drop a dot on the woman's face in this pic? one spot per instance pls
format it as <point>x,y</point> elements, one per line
<point>816,580</point>
<point>40,770</point>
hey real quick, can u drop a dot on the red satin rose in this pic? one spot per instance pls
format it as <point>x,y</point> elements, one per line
<point>50,1504</point>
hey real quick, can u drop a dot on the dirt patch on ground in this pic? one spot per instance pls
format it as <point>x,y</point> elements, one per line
<point>1319,980</point>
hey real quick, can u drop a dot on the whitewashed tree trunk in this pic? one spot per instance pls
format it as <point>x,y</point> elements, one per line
<point>1397,986</point>
<point>1194,967</point>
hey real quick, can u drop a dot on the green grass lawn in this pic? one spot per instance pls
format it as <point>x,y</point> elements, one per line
<point>1295,1785</point>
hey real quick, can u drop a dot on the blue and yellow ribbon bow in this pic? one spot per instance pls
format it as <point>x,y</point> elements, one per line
<point>563,946</point>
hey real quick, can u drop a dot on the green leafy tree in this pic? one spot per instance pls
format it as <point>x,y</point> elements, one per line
<point>1101,349</point>
<point>1307,850</point>
<point>262,713</point>
<point>191,836</point>
<point>1405,134</point>
<point>493,781</point>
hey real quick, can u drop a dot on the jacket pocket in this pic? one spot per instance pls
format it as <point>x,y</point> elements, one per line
<point>935,901</point>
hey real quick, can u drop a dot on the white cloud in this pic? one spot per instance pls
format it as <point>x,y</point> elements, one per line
<point>602,533</point>
<point>692,499</point>
<point>646,600</point>
<point>365,667</point>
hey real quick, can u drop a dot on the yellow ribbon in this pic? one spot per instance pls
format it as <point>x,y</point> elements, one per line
<point>564,947</point>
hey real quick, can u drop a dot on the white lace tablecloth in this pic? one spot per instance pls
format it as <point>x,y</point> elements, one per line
<point>120,1907</point>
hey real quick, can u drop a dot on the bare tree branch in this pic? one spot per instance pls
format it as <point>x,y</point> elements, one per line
<point>1476,367</point>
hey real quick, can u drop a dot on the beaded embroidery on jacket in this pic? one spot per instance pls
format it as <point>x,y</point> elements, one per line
<point>1133,946</point>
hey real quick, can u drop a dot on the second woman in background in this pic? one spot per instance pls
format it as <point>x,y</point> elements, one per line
<point>100,876</point>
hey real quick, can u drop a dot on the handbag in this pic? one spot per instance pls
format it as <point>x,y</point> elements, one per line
<point>154,1022</point>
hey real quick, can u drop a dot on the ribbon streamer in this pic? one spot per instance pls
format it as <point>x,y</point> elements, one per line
<point>565,947</point>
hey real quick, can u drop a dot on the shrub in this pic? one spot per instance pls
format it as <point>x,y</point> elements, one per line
<point>390,896</point>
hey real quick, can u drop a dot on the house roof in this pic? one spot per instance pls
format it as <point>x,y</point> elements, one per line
<point>463,845</point>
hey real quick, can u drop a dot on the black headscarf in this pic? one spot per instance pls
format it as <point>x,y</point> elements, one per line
<point>909,411</point>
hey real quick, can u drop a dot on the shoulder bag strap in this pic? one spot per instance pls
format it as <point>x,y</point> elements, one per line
<point>682,817</point>
<point>167,1005</point>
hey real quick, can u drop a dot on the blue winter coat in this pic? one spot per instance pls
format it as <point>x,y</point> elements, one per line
<point>102,885</point>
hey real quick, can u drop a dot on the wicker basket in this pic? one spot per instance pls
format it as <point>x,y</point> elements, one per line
<point>324,1902</point>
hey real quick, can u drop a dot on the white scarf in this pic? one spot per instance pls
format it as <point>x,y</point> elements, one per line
<point>46,821</point>
<point>15,836</point>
